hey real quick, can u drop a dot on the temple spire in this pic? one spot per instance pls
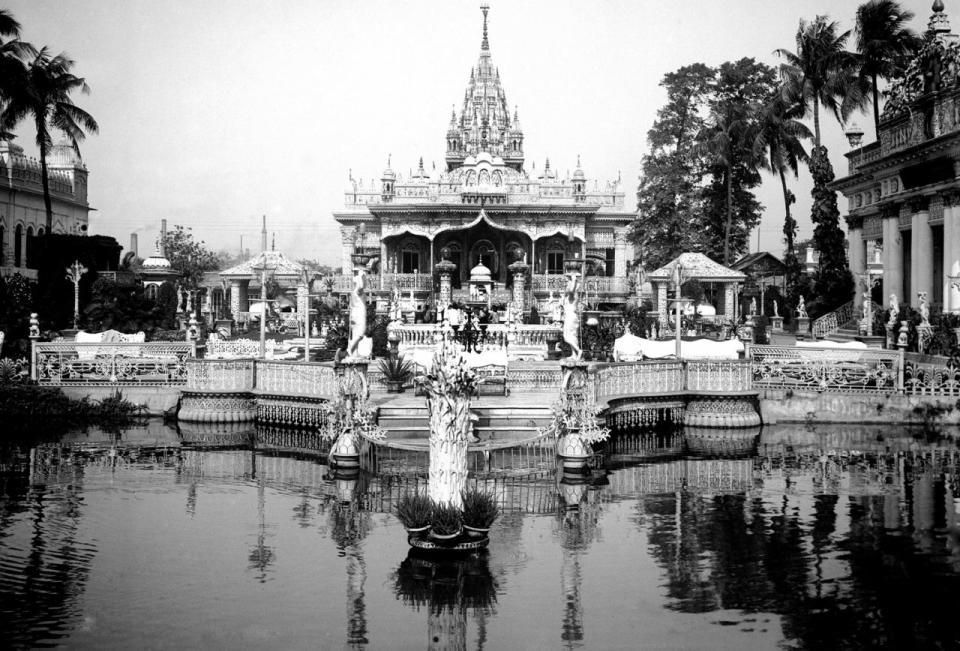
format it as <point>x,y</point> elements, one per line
<point>485,44</point>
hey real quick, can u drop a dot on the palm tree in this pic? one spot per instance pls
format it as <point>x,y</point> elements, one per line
<point>719,143</point>
<point>12,53</point>
<point>46,99</point>
<point>821,71</point>
<point>884,44</point>
<point>777,147</point>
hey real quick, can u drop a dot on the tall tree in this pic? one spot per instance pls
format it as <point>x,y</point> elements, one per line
<point>188,256</point>
<point>45,97</point>
<point>821,71</point>
<point>12,71</point>
<point>740,90</point>
<point>667,197</point>
<point>884,45</point>
<point>778,147</point>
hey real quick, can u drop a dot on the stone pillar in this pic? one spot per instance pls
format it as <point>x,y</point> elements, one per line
<point>445,270</point>
<point>519,273</point>
<point>662,301</point>
<point>620,253</point>
<point>346,246</point>
<point>857,257</point>
<point>303,304</point>
<point>235,298</point>
<point>729,301</point>
<point>951,250</point>
<point>893,259</point>
<point>922,250</point>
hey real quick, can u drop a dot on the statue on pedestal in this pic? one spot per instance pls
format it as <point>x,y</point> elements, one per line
<point>802,309</point>
<point>358,313</point>
<point>571,317</point>
<point>894,310</point>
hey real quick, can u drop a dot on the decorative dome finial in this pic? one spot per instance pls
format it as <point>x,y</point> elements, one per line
<point>485,45</point>
<point>939,23</point>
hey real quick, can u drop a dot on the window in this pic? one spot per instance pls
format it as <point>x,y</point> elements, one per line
<point>17,245</point>
<point>3,244</point>
<point>409,262</point>
<point>26,246</point>
<point>610,259</point>
<point>555,262</point>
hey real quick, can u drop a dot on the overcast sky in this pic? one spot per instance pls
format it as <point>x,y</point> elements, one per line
<point>213,113</point>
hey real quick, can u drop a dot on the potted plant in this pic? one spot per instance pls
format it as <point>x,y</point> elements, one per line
<point>396,372</point>
<point>446,522</point>
<point>415,510</point>
<point>479,511</point>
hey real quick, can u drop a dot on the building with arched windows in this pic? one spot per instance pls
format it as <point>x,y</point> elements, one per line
<point>22,212</point>
<point>485,206</point>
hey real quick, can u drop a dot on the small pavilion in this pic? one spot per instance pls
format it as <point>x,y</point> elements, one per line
<point>764,270</point>
<point>720,284</point>
<point>289,275</point>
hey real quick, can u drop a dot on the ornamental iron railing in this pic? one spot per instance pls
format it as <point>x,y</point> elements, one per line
<point>930,375</point>
<point>112,364</point>
<point>832,321</point>
<point>870,370</point>
<point>220,375</point>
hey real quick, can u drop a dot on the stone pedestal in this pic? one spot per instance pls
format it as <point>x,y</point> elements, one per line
<point>445,269</point>
<point>803,327</point>
<point>776,323</point>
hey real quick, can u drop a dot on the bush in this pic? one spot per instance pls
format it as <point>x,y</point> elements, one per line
<point>29,402</point>
<point>396,369</point>
<point>479,509</point>
<point>446,520</point>
<point>415,510</point>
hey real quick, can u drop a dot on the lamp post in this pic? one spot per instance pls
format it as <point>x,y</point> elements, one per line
<point>264,305</point>
<point>74,272</point>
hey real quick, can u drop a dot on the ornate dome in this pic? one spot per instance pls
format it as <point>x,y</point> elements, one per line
<point>480,273</point>
<point>156,261</point>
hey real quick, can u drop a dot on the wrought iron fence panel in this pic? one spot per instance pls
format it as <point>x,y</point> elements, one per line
<point>930,376</point>
<point>642,378</point>
<point>295,379</point>
<point>832,321</point>
<point>111,364</point>
<point>719,375</point>
<point>827,369</point>
<point>220,375</point>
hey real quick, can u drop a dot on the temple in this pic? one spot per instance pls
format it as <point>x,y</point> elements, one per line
<point>904,189</point>
<point>484,209</point>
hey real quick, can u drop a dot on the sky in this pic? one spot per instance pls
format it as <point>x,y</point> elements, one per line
<point>214,113</point>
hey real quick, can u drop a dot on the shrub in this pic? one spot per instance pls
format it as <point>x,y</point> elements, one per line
<point>415,510</point>
<point>446,519</point>
<point>396,369</point>
<point>479,509</point>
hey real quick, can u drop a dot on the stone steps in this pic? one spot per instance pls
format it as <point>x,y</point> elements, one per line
<point>404,422</point>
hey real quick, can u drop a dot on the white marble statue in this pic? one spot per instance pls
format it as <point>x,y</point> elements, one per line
<point>753,306</point>
<point>802,309</point>
<point>358,313</point>
<point>894,309</point>
<point>776,308</point>
<point>924,309</point>
<point>571,317</point>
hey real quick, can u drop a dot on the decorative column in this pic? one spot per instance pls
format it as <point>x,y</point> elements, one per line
<point>921,248</point>
<point>346,243</point>
<point>303,304</point>
<point>951,250</point>
<point>235,298</point>
<point>730,301</point>
<point>892,255</point>
<point>445,270</point>
<point>857,256</point>
<point>662,301</point>
<point>74,272</point>
<point>519,270</point>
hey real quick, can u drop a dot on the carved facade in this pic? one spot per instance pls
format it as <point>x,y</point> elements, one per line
<point>484,205</point>
<point>902,189</point>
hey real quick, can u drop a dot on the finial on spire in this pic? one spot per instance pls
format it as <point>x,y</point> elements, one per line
<point>485,45</point>
<point>939,23</point>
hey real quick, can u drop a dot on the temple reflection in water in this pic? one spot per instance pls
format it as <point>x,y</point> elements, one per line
<point>804,530</point>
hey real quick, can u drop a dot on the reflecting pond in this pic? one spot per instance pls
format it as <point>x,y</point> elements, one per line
<point>790,537</point>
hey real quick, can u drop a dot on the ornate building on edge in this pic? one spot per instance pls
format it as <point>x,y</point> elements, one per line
<point>485,207</point>
<point>903,191</point>
<point>22,211</point>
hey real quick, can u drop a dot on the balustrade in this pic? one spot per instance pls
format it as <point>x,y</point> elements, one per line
<point>220,375</point>
<point>295,379</point>
<point>520,341</point>
<point>641,378</point>
<point>720,376</point>
<point>114,363</point>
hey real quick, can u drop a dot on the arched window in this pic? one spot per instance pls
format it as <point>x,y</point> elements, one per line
<point>151,292</point>
<point>26,247</point>
<point>409,257</point>
<point>3,246</point>
<point>17,245</point>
